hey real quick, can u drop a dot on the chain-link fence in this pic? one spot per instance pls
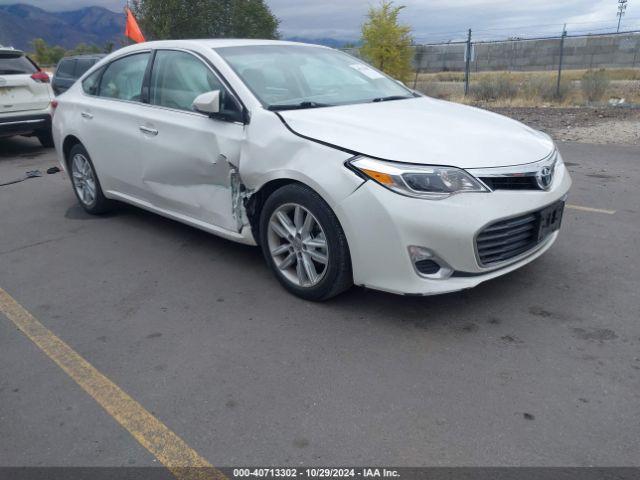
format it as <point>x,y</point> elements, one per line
<point>547,69</point>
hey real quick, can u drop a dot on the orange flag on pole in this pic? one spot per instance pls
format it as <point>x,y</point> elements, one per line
<point>132,30</point>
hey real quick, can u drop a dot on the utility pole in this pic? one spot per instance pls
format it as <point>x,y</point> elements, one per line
<point>622,9</point>
<point>467,65</point>
<point>564,35</point>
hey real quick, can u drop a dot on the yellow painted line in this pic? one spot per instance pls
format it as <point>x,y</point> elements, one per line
<point>592,210</point>
<point>184,462</point>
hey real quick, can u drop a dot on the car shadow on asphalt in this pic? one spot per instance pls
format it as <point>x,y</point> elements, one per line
<point>21,147</point>
<point>357,302</point>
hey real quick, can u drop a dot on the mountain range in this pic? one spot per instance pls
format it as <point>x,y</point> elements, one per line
<point>20,24</point>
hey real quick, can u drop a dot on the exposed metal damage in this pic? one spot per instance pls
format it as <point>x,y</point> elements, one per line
<point>239,195</point>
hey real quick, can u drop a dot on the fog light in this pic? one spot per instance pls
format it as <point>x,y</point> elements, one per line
<point>428,267</point>
<point>428,264</point>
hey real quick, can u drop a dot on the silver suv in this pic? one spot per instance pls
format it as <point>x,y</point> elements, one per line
<point>25,97</point>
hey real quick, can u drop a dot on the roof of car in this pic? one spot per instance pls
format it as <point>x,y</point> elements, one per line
<point>223,42</point>
<point>86,55</point>
<point>10,50</point>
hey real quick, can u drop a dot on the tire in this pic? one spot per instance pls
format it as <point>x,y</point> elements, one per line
<point>85,183</point>
<point>46,138</point>
<point>310,240</point>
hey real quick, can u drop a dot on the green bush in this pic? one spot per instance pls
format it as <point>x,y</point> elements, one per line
<point>594,84</point>
<point>495,87</point>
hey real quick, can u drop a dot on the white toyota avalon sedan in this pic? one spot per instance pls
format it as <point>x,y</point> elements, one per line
<point>341,174</point>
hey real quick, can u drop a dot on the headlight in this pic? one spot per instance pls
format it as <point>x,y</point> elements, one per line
<point>420,181</point>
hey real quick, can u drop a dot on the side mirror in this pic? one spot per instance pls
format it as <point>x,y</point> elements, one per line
<point>207,103</point>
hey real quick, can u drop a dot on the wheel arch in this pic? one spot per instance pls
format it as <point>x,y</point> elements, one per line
<point>255,203</point>
<point>69,142</point>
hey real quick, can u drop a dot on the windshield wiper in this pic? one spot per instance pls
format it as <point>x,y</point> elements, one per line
<point>298,106</point>
<point>390,98</point>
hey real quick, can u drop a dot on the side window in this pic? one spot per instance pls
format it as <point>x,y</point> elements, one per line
<point>90,84</point>
<point>65,69</point>
<point>82,65</point>
<point>178,78</point>
<point>123,78</point>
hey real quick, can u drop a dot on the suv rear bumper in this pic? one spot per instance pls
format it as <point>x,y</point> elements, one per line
<point>24,124</point>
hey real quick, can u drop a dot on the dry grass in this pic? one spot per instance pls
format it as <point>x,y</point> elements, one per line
<point>571,75</point>
<point>528,89</point>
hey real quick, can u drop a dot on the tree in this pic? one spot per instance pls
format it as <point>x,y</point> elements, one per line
<point>83,49</point>
<point>386,44</point>
<point>45,54</point>
<point>50,55</point>
<point>174,19</point>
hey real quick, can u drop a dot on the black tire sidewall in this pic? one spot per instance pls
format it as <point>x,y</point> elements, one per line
<point>338,275</point>
<point>45,137</point>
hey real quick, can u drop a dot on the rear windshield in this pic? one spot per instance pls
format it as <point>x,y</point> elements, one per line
<point>12,64</point>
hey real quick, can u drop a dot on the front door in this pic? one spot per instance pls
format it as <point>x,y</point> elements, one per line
<point>188,157</point>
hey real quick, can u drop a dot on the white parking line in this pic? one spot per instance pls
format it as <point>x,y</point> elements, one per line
<point>589,209</point>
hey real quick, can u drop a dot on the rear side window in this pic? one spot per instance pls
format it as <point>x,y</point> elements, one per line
<point>66,68</point>
<point>82,65</point>
<point>12,64</point>
<point>123,78</point>
<point>90,84</point>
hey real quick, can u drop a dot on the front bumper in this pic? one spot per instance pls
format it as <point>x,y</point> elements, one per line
<point>380,225</point>
<point>24,124</point>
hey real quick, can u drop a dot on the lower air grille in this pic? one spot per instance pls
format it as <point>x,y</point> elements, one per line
<point>511,183</point>
<point>507,239</point>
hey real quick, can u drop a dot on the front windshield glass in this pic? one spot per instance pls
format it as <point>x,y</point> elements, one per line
<point>292,76</point>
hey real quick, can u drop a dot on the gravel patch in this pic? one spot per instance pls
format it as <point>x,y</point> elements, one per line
<point>584,125</point>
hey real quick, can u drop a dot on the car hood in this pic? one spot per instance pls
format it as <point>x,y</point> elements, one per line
<point>423,130</point>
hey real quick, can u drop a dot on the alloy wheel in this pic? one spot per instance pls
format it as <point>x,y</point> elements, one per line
<point>298,245</point>
<point>84,180</point>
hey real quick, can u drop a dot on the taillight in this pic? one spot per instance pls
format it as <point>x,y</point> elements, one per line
<point>54,105</point>
<point>41,77</point>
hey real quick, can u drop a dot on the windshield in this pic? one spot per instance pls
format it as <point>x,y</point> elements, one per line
<point>292,76</point>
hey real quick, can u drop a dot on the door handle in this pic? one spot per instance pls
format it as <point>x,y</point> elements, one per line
<point>86,115</point>
<point>149,131</point>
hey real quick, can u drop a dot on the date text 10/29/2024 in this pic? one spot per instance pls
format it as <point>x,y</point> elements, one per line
<point>315,473</point>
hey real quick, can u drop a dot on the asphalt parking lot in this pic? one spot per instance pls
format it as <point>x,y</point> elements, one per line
<point>541,367</point>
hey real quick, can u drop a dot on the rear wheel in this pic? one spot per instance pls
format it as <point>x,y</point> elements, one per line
<point>85,182</point>
<point>46,138</point>
<point>304,244</point>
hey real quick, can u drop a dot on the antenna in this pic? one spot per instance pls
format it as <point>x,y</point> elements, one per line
<point>622,9</point>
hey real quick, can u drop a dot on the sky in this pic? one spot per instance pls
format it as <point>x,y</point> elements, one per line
<point>431,20</point>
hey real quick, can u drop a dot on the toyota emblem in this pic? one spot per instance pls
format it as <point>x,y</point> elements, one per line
<point>544,177</point>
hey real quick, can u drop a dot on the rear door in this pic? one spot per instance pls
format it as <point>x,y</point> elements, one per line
<point>18,91</point>
<point>110,114</point>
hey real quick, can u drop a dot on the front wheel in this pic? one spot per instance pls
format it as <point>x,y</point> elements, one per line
<point>304,244</point>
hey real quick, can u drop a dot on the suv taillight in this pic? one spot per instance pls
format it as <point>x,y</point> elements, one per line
<point>41,77</point>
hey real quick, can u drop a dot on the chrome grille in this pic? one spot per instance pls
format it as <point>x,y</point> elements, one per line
<point>507,239</point>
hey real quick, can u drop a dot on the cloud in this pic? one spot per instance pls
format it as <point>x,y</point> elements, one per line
<point>431,20</point>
